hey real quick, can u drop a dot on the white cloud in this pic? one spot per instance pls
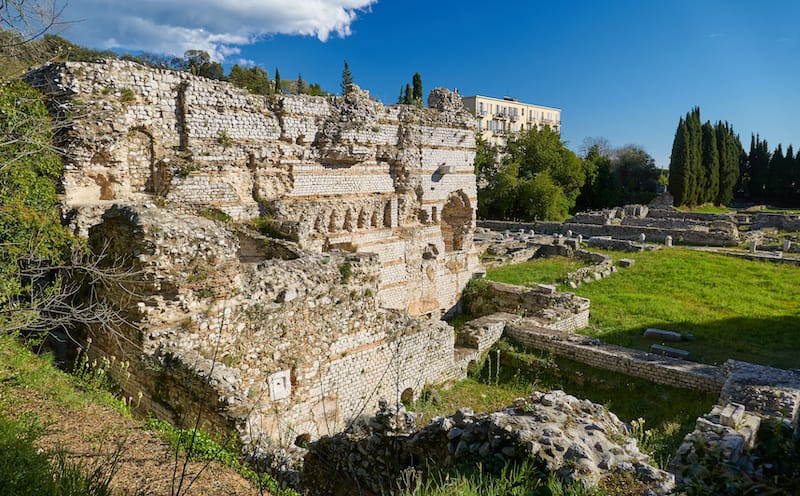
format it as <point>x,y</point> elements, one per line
<point>217,26</point>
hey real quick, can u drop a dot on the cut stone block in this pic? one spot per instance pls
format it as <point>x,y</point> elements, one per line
<point>626,262</point>
<point>280,385</point>
<point>668,351</point>
<point>662,335</point>
<point>731,415</point>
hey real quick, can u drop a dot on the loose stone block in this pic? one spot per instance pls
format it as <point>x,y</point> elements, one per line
<point>659,349</point>
<point>280,385</point>
<point>662,335</point>
<point>626,262</point>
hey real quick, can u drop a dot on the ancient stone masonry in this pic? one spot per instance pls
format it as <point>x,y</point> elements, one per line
<point>275,338</point>
<point>340,172</point>
<point>259,335</point>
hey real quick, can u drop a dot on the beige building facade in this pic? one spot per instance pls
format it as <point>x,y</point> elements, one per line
<point>496,118</point>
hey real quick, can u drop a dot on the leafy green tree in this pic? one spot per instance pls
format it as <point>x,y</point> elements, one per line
<point>539,178</point>
<point>254,79</point>
<point>199,63</point>
<point>314,89</point>
<point>485,160</point>
<point>636,173</point>
<point>31,234</point>
<point>347,78</point>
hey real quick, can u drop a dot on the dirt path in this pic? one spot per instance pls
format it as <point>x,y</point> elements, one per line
<point>146,463</point>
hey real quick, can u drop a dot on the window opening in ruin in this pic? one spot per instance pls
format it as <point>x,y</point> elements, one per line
<point>407,397</point>
<point>348,221</point>
<point>387,215</point>
<point>434,214</point>
<point>333,225</point>
<point>375,219</point>
<point>363,219</point>
<point>456,221</point>
<point>141,161</point>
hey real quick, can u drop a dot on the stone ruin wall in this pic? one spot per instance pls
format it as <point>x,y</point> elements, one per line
<point>275,347</point>
<point>341,172</point>
<point>286,343</point>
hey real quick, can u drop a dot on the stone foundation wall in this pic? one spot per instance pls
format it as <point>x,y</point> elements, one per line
<point>656,368</point>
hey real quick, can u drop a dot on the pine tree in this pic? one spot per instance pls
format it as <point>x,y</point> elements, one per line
<point>710,190</point>
<point>347,79</point>
<point>417,92</point>
<point>679,160</point>
<point>278,87</point>
<point>300,85</point>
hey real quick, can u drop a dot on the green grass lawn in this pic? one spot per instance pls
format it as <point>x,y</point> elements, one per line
<point>550,270</point>
<point>735,308</point>
<point>706,208</point>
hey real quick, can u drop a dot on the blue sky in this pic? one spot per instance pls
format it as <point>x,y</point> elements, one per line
<point>619,69</point>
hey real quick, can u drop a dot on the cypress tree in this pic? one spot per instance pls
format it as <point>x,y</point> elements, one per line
<point>278,87</point>
<point>758,165</point>
<point>677,164</point>
<point>300,86</point>
<point>408,99</point>
<point>694,169</point>
<point>417,94</point>
<point>729,149</point>
<point>347,78</point>
<point>710,190</point>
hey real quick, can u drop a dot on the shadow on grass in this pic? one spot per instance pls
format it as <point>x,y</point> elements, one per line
<point>773,341</point>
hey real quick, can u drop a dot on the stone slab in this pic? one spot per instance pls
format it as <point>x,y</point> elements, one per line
<point>669,351</point>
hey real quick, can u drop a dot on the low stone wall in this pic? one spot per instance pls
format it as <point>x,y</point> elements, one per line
<point>699,236</point>
<point>562,311</point>
<point>784,222</point>
<point>591,351</point>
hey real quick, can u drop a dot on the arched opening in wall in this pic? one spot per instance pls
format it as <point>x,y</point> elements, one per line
<point>434,214</point>
<point>407,397</point>
<point>456,221</point>
<point>348,221</point>
<point>363,219</point>
<point>387,214</point>
<point>472,367</point>
<point>141,161</point>
<point>303,440</point>
<point>374,220</point>
<point>333,224</point>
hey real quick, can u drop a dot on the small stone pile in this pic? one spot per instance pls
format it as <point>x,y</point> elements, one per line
<point>576,439</point>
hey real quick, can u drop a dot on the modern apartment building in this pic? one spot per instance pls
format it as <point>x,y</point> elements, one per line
<point>498,117</point>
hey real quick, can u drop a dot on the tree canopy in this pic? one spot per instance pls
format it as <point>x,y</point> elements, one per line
<point>538,178</point>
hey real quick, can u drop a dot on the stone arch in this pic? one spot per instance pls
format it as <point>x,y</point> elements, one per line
<point>374,220</point>
<point>363,219</point>
<point>348,221</point>
<point>456,221</point>
<point>407,397</point>
<point>333,224</point>
<point>387,214</point>
<point>319,225</point>
<point>141,161</point>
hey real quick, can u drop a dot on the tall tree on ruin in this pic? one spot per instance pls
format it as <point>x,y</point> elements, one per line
<point>278,84</point>
<point>416,82</point>
<point>729,151</point>
<point>695,171</point>
<point>347,78</point>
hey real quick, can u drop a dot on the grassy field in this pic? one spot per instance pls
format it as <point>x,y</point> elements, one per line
<point>550,270</point>
<point>735,308</point>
